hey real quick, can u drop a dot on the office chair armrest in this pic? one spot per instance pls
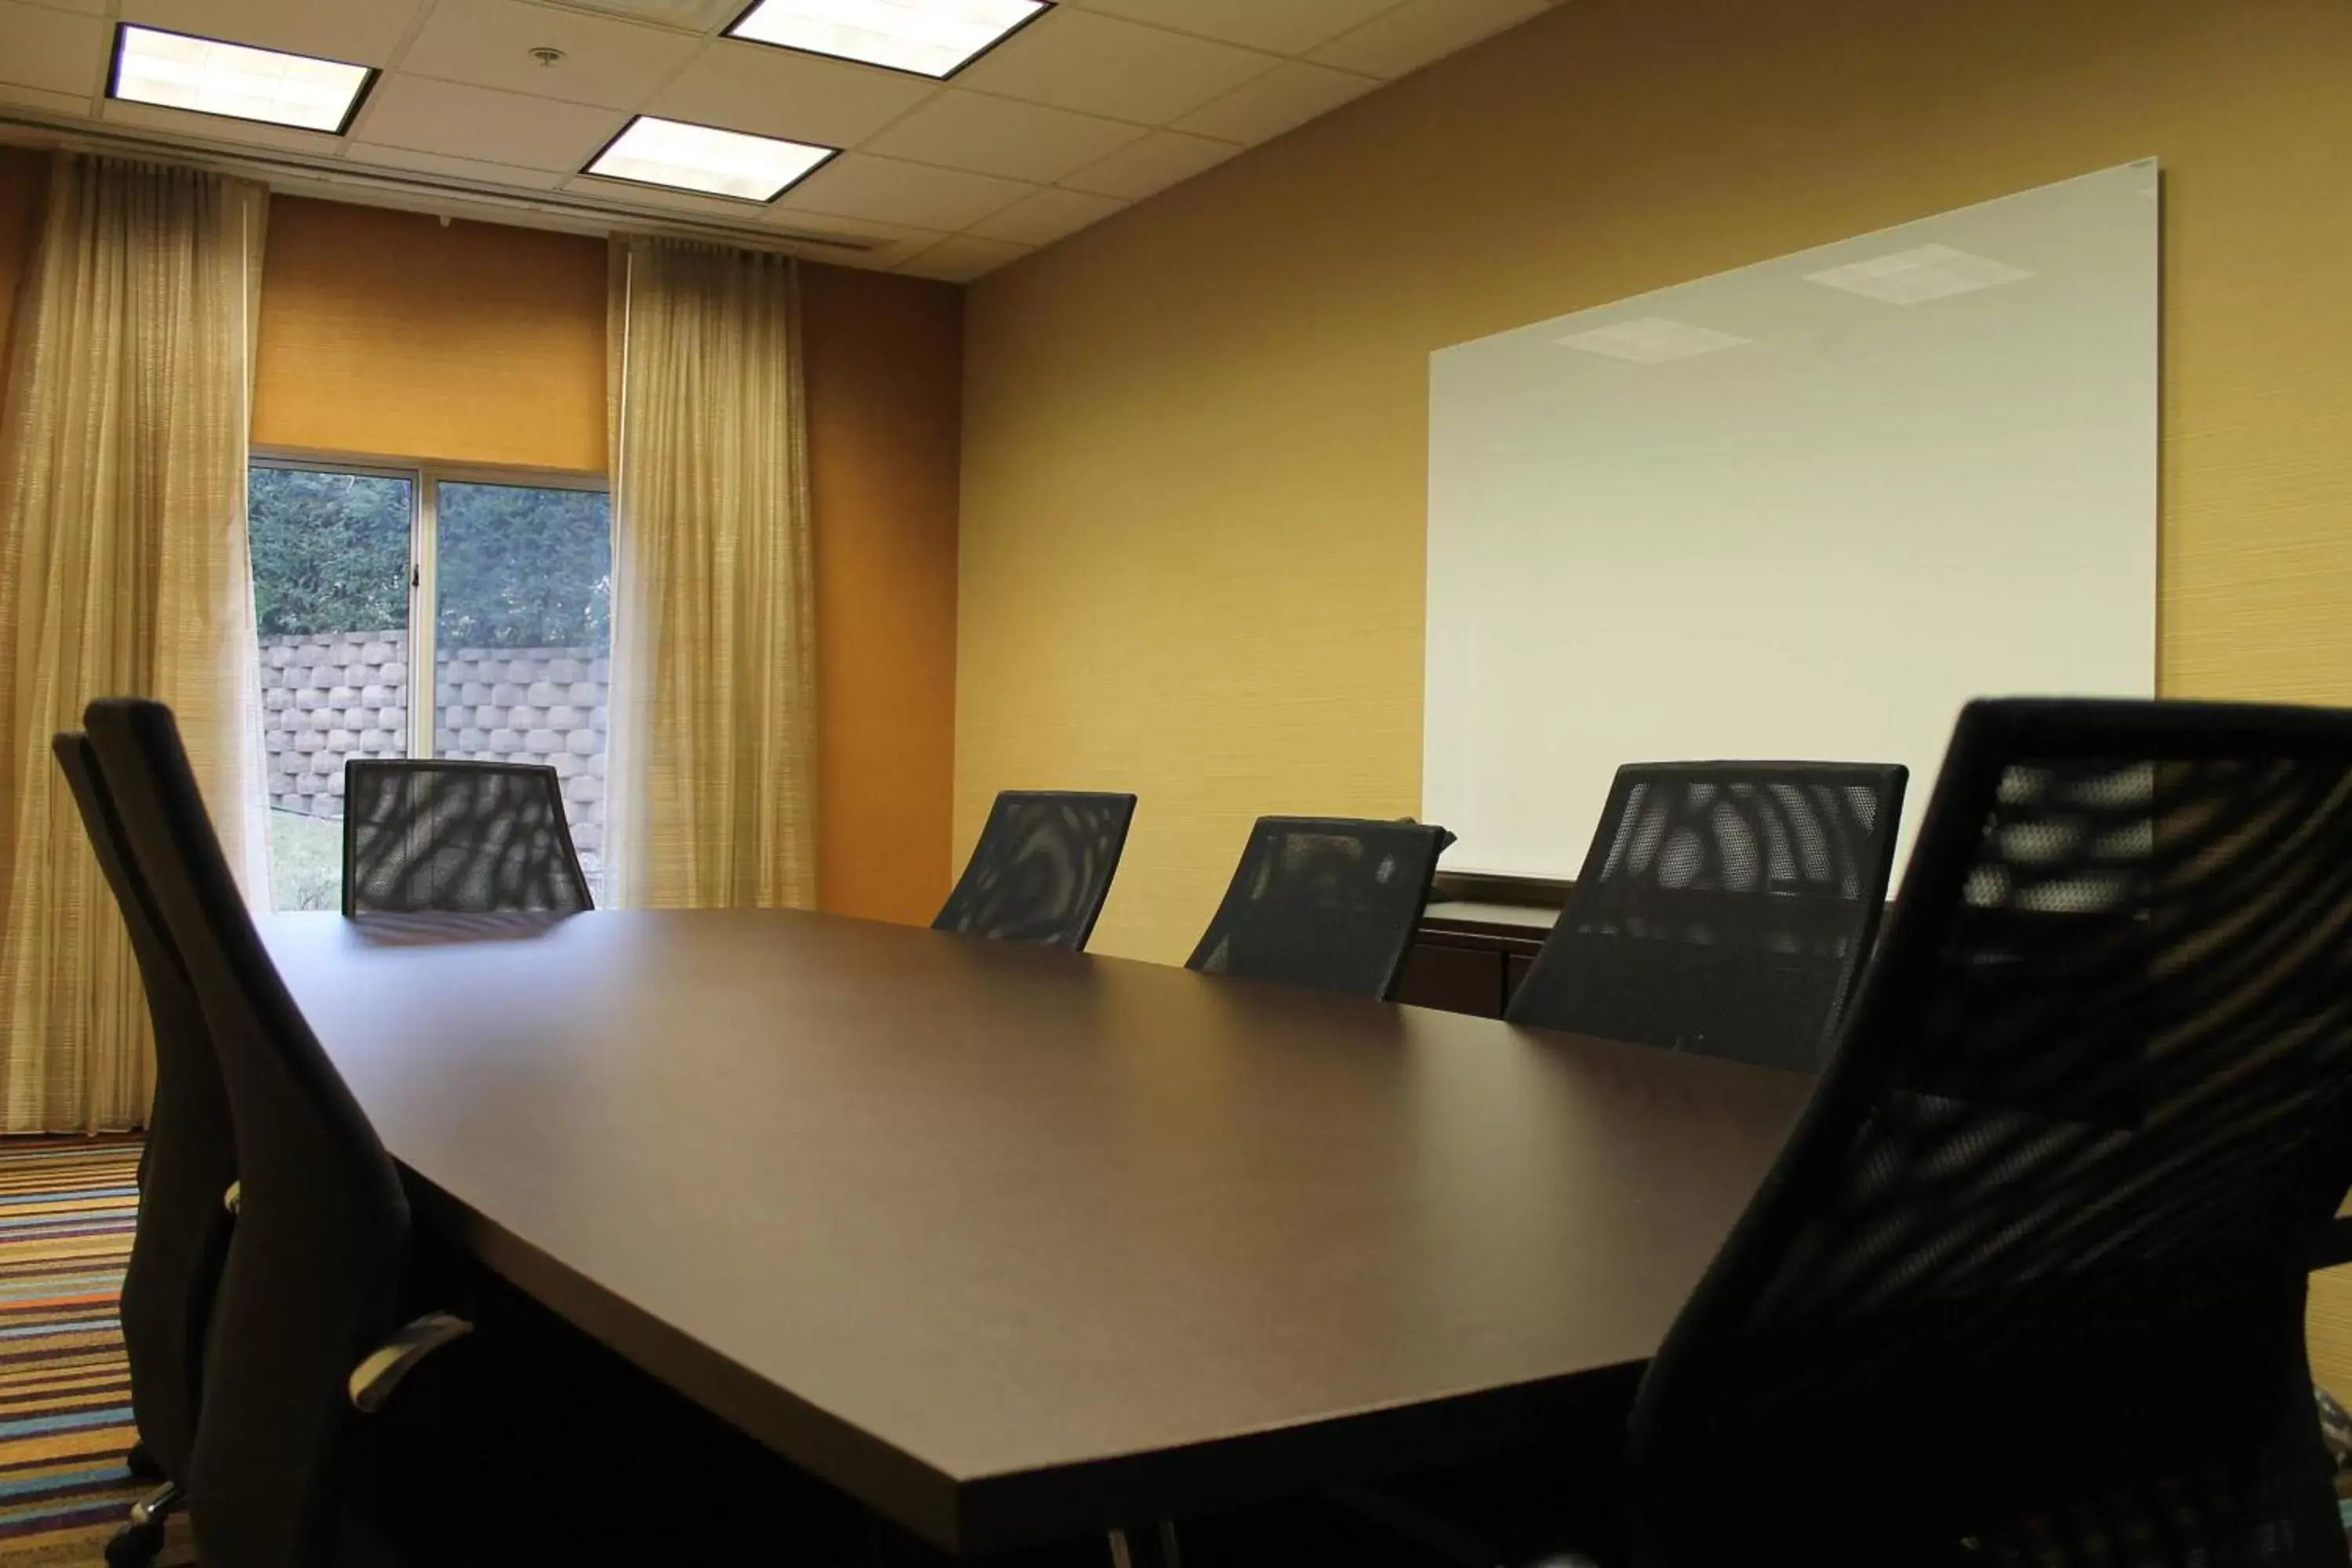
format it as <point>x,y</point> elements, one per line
<point>374,1378</point>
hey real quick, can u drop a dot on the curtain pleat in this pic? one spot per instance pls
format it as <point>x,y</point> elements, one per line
<point>713,804</point>
<point>123,421</point>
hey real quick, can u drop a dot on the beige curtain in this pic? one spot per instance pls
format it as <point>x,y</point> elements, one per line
<point>713,735</point>
<point>122,571</point>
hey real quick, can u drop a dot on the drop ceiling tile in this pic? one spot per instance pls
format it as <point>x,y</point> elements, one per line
<point>653,198</point>
<point>364,32</point>
<point>47,102</point>
<point>456,205</point>
<point>775,92</point>
<point>220,130</point>
<point>1001,136</point>
<point>692,15</point>
<point>1101,65</point>
<point>962,257</point>
<point>428,116</point>
<point>56,51</point>
<point>1291,94</point>
<point>1420,31</point>
<point>1160,160</point>
<point>1046,216</point>
<point>878,244</point>
<point>488,44</point>
<point>885,190</point>
<point>471,169</point>
<point>1278,27</point>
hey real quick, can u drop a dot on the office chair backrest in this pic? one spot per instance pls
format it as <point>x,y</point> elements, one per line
<point>1327,902</point>
<point>457,838</point>
<point>1724,907</point>
<point>1042,868</point>
<point>2030,1270</point>
<point>187,1163</point>
<point>313,1271</point>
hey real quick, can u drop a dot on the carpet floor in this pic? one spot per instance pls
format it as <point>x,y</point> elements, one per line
<point>67,1209</point>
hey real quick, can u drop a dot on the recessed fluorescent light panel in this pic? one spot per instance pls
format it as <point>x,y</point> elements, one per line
<point>705,159</point>
<point>178,72</point>
<point>1914,276</point>
<point>928,37</point>
<point>1650,340</point>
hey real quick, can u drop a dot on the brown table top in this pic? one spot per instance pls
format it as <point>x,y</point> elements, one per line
<point>1014,1244</point>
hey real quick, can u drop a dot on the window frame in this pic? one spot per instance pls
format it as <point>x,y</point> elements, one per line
<point>425,478</point>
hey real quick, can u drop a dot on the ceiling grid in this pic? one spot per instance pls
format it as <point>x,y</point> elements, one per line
<point>1088,108</point>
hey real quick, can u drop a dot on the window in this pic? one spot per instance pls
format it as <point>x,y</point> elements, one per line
<point>489,593</point>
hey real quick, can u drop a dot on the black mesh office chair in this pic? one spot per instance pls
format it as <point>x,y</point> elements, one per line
<point>2027,1285</point>
<point>457,838</point>
<point>1042,868</point>
<point>1326,902</point>
<point>185,1175</point>
<point>307,1323</point>
<point>1723,908</point>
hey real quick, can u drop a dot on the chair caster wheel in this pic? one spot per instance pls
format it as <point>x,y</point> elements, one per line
<point>135,1545</point>
<point>141,1464</point>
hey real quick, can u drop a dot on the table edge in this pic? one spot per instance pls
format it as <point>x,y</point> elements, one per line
<point>893,1482</point>
<point>1031,1507</point>
<point>1034,1506</point>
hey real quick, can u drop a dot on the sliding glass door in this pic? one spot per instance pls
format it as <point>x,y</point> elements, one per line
<point>522,628</point>
<point>330,595</point>
<point>486,594</point>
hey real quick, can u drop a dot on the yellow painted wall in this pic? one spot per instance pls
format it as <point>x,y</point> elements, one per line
<point>881,358</point>
<point>1194,436</point>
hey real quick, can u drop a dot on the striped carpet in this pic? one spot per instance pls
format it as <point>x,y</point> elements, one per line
<point>67,1207</point>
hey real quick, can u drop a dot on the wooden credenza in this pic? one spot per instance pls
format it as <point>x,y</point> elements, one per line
<point>1468,957</point>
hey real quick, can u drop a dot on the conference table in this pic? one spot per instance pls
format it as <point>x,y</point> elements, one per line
<point>1013,1244</point>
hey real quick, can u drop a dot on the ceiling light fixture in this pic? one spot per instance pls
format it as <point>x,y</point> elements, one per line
<point>704,160</point>
<point>925,37</point>
<point>178,70</point>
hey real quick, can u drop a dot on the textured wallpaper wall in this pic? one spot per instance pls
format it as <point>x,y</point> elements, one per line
<point>1194,454</point>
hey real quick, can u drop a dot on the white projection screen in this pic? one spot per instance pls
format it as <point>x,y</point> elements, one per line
<point>1803,510</point>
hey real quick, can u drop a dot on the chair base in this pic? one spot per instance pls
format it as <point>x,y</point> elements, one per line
<point>1146,1546</point>
<point>136,1544</point>
<point>141,1464</point>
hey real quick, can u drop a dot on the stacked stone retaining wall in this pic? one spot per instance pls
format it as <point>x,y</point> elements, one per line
<point>329,697</point>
